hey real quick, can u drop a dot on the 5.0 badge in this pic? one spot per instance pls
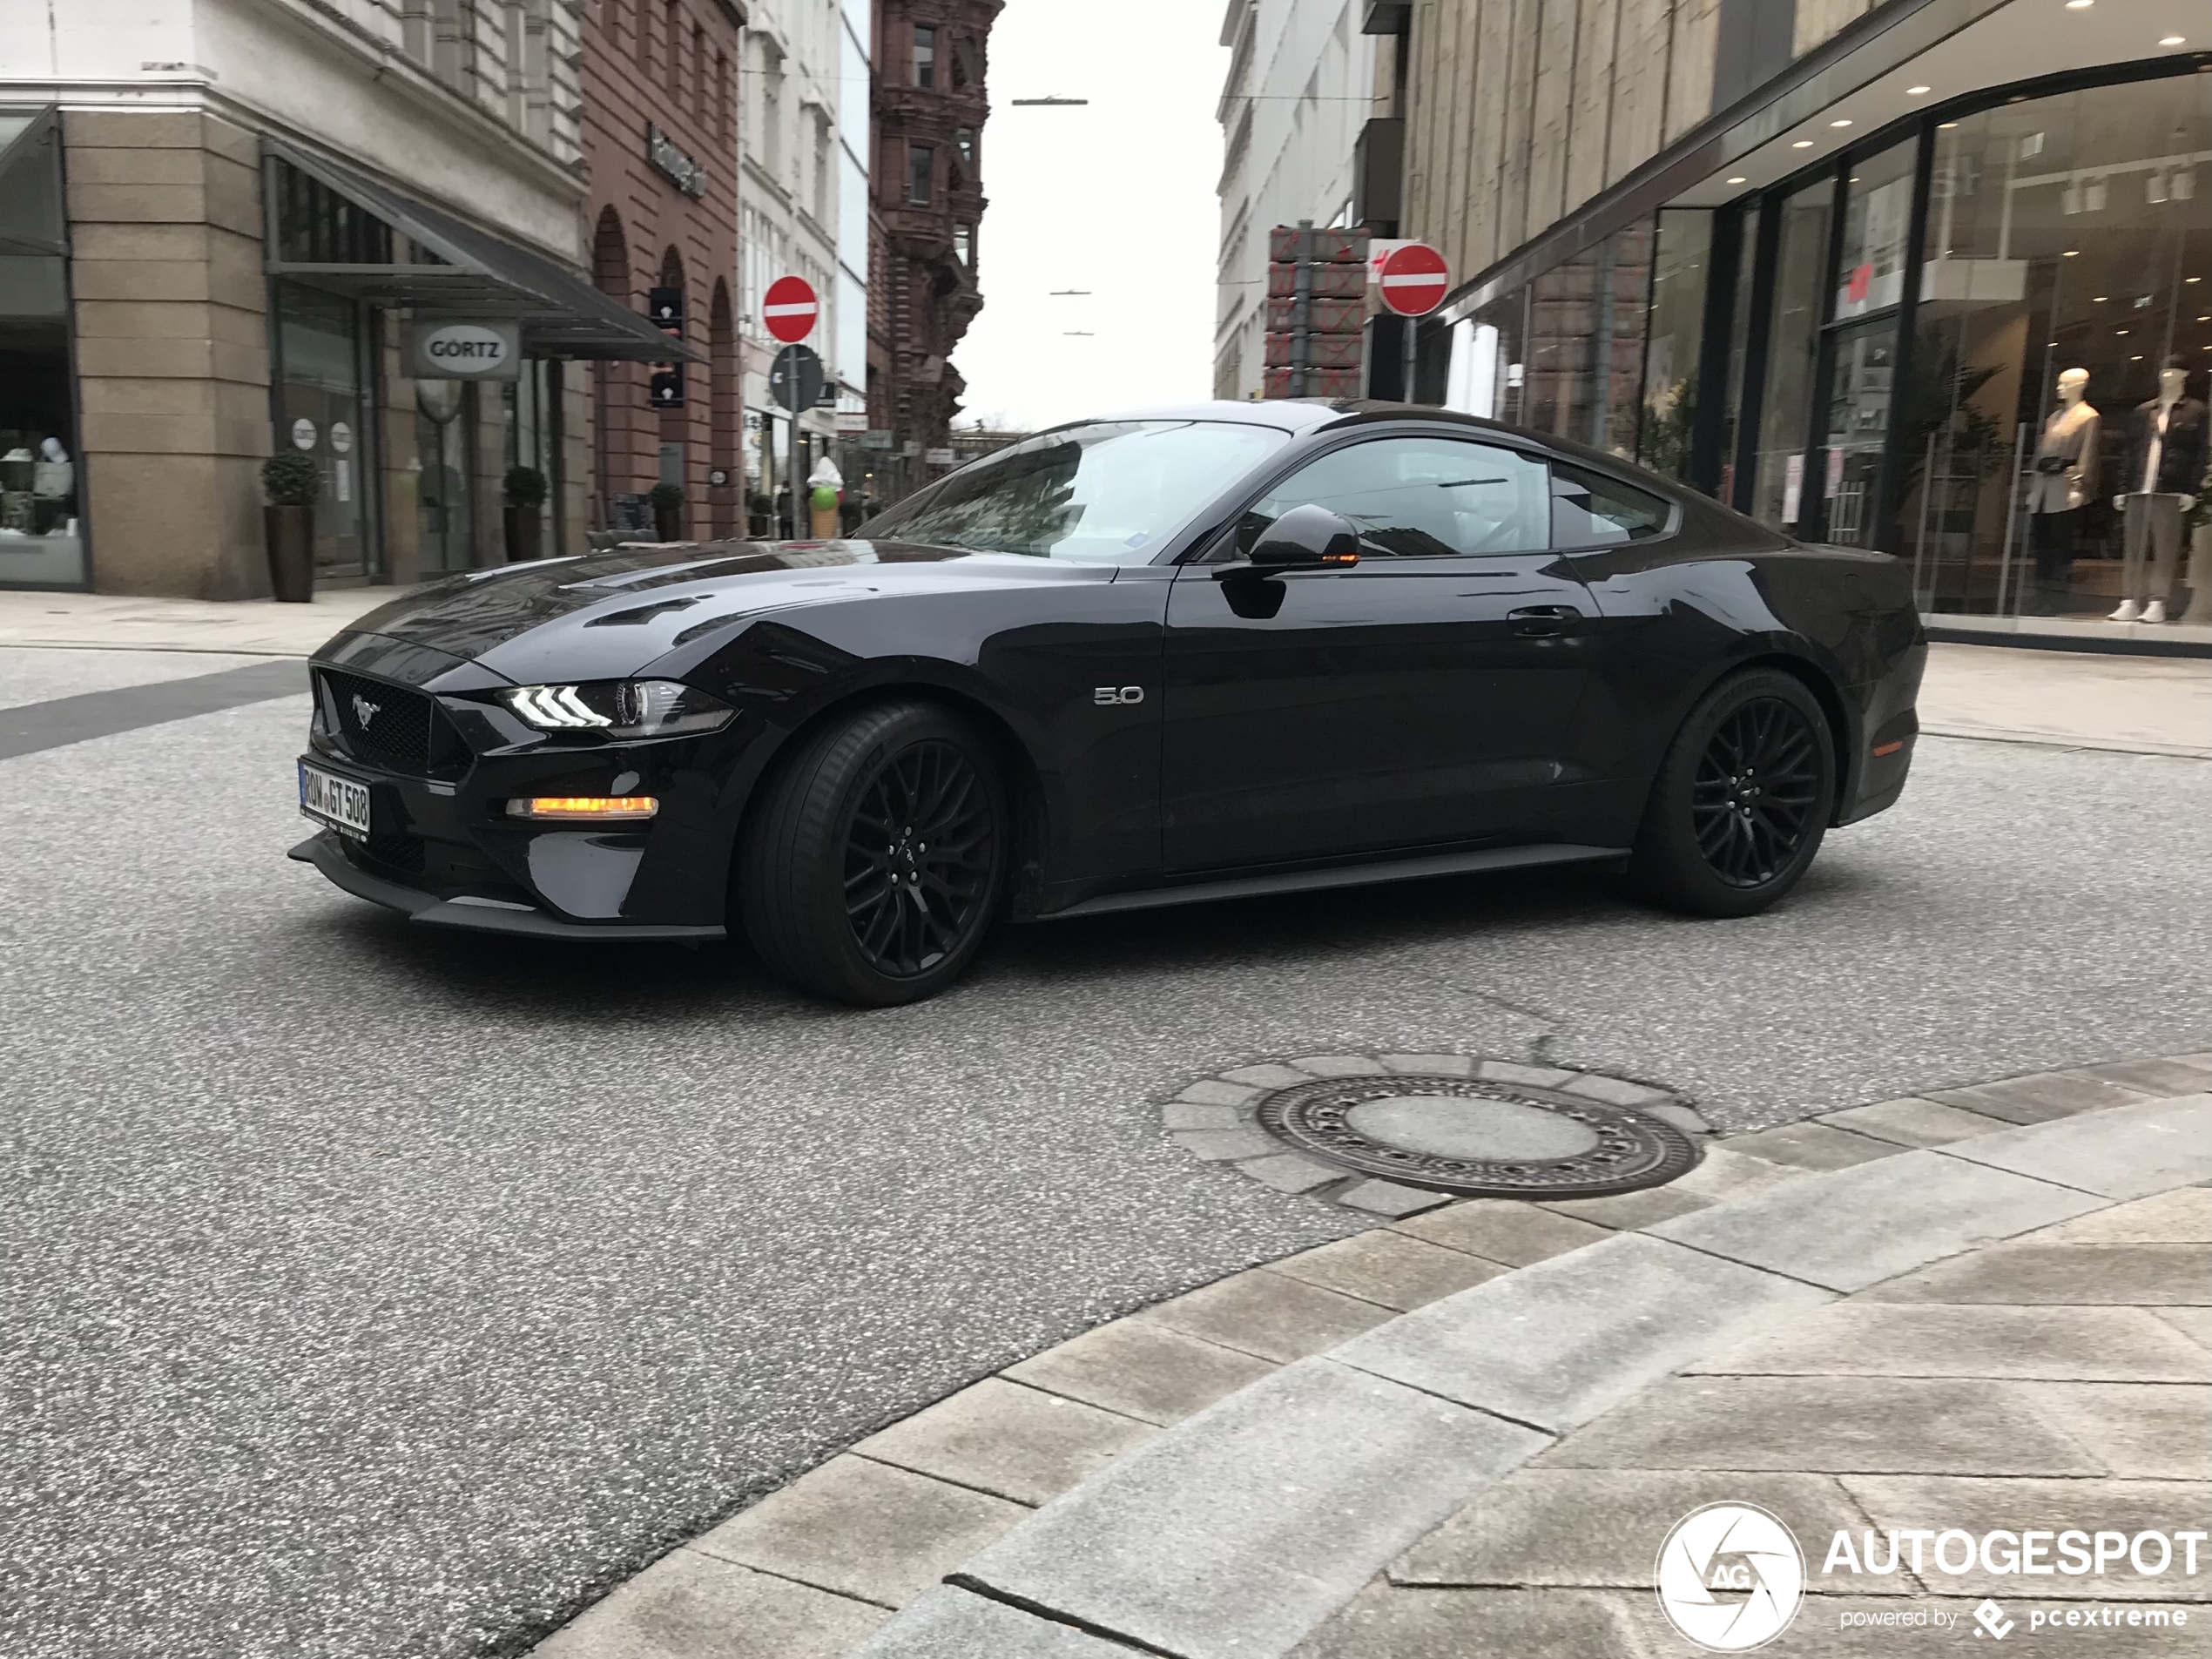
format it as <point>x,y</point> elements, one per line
<point>1112,694</point>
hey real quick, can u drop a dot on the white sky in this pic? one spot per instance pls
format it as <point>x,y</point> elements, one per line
<point>1117,198</point>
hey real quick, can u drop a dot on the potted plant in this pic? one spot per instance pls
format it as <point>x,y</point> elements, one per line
<point>667,511</point>
<point>525,487</point>
<point>760,515</point>
<point>292,482</point>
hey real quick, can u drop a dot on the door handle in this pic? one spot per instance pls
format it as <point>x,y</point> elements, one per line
<point>1543,621</point>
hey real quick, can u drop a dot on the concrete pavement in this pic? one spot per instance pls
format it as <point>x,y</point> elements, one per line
<point>1506,1460</point>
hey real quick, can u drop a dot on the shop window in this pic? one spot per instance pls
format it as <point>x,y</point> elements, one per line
<point>1730,433</point>
<point>922,165</point>
<point>2068,253</point>
<point>1586,330</point>
<point>1878,212</point>
<point>1673,339</point>
<point>324,409</point>
<point>1792,347</point>
<point>42,538</point>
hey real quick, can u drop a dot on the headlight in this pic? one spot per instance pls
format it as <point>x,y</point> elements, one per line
<point>620,708</point>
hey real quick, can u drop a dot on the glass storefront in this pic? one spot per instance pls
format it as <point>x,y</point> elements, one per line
<point>41,521</point>
<point>324,409</point>
<point>1942,344</point>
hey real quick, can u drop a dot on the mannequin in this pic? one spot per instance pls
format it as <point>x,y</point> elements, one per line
<point>2165,460</point>
<point>2064,478</point>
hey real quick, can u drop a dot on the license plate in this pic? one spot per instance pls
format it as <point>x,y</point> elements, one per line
<point>339,802</point>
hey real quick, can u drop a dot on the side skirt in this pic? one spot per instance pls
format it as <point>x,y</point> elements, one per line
<point>1344,875</point>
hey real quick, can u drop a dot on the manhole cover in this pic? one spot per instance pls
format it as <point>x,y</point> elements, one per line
<point>1458,1135</point>
<point>1393,1133</point>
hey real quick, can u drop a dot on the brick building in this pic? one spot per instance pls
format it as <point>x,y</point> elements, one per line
<point>660,148</point>
<point>929,108</point>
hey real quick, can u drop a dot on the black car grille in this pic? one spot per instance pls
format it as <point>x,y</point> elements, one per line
<point>388,725</point>
<point>401,853</point>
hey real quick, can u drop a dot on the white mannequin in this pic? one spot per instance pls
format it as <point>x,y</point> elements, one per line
<point>2144,502</point>
<point>2064,477</point>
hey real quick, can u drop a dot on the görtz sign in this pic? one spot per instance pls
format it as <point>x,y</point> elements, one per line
<point>465,351</point>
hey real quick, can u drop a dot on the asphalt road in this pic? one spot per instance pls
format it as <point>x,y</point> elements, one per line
<point>376,1294</point>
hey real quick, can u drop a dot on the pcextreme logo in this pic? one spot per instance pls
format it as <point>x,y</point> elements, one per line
<point>1729,1577</point>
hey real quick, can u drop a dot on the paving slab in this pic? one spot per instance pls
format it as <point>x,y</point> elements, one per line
<point>1913,1121</point>
<point>1385,1621</point>
<point>1391,1198</point>
<point>2181,1217</point>
<point>2124,1153</point>
<point>1289,1173</point>
<point>1978,1506</point>
<point>1722,1175</point>
<point>1904,1339</point>
<point>1836,1424</point>
<point>1617,1091</point>
<point>2196,1324</point>
<point>1851,1228</point>
<point>1013,1442</point>
<point>1212,1091</point>
<point>1430,1065</point>
<point>1503,1230</point>
<point>1390,1268</point>
<point>1558,1342</point>
<point>1629,1210</point>
<point>863,1529</point>
<point>2062,1275</point>
<point>1198,1114</point>
<point>1147,1371</point>
<point>2152,1076</point>
<point>2039,1099</point>
<point>690,1606</point>
<point>1269,1315</point>
<point>1341,1065</point>
<point>1223,1145</point>
<point>951,1622</point>
<point>1234,1535</point>
<point>2145,1431</point>
<point>1543,1525</point>
<point>1812,1146</point>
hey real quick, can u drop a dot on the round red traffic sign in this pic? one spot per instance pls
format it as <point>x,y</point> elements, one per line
<point>789,309</point>
<point>1415,279</point>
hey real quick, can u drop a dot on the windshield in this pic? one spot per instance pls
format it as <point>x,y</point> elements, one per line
<point>1111,492</point>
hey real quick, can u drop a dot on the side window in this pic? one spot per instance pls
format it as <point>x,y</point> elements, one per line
<point>1418,498</point>
<point>1591,511</point>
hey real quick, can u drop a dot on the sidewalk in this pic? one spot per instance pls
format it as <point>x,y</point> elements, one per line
<point>245,627</point>
<point>2145,704</point>
<point>1467,1433</point>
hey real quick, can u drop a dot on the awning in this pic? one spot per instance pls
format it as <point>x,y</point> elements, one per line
<point>454,269</point>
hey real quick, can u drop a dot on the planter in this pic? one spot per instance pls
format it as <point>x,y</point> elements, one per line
<point>290,532</point>
<point>523,532</point>
<point>668,524</point>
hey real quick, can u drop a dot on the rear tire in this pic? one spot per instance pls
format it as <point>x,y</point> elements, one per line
<point>875,859</point>
<point>1741,801</point>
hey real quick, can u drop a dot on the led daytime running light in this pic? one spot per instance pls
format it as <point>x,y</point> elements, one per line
<point>583,806</point>
<point>555,706</point>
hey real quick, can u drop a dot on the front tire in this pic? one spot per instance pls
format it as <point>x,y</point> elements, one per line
<point>1741,801</point>
<point>876,859</point>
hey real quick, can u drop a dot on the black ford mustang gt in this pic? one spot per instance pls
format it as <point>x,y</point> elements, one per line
<point>1230,649</point>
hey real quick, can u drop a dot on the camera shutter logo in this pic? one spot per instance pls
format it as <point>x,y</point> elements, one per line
<point>1729,1577</point>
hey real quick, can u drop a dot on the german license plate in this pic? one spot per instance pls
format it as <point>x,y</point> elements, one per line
<point>339,802</point>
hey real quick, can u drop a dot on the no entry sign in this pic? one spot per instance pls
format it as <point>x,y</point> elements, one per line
<point>1415,279</point>
<point>789,308</point>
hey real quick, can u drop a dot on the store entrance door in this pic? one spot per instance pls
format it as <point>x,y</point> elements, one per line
<point>325,409</point>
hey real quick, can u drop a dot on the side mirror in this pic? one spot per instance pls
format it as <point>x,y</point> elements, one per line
<point>1306,538</point>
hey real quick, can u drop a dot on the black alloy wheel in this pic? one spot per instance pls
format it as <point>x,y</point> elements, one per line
<point>874,860</point>
<point>1756,786</point>
<point>1741,801</point>
<point>919,859</point>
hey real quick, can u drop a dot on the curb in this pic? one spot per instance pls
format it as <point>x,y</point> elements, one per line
<point>1214,1476</point>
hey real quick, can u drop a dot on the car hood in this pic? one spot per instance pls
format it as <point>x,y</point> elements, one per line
<point>610,613</point>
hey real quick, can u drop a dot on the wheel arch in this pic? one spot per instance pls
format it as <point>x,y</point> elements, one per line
<point>1827,694</point>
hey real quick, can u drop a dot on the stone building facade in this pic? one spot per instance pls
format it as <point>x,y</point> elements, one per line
<point>224,223</point>
<point>929,106</point>
<point>660,141</point>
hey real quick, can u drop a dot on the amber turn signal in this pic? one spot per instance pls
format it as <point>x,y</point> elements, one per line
<point>596,808</point>
<point>1881,749</point>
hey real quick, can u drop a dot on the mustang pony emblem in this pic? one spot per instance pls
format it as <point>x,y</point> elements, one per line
<point>364,711</point>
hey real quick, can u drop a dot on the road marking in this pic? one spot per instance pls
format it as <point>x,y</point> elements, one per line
<point>58,721</point>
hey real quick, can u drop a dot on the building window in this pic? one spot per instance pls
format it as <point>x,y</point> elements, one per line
<point>41,540</point>
<point>922,165</point>
<point>925,56</point>
<point>964,141</point>
<point>964,243</point>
